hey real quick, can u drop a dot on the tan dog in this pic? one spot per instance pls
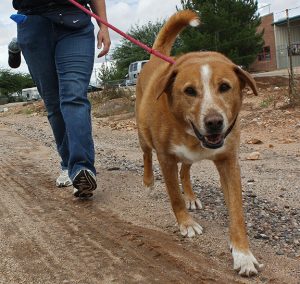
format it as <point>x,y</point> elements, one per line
<point>187,112</point>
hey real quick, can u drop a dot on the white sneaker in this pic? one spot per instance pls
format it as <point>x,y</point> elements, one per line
<point>63,180</point>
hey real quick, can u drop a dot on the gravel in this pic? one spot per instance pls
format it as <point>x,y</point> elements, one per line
<point>267,220</point>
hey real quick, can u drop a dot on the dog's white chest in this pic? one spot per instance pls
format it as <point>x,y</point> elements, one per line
<point>186,154</point>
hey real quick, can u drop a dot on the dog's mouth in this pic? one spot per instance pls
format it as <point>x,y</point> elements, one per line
<point>211,141</point>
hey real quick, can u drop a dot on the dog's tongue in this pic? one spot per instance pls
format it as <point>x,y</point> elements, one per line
<point>214,139</point>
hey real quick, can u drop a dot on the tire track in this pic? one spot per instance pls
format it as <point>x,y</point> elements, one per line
<point>52,238</point>
<point>49,237</point>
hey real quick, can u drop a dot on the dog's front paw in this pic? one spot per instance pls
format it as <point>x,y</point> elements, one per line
<point>245,263</point>
<point>190,228</point>
<point>193,204</point>
<point>148,181</point>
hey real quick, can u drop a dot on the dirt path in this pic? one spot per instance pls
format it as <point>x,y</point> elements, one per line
<point>125,234</point>
<point>48,237</point>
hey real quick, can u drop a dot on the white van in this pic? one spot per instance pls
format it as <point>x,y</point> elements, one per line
<point>134,70</point>
<point>31,94</point>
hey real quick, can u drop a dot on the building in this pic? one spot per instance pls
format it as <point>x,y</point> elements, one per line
<point>281,39</point>
<point>266,60</point>
<point>274,54</point>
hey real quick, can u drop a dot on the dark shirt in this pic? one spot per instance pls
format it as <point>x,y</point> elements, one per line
<point>31,6</point>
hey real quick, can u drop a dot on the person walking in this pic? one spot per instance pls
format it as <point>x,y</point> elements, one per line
<point>58,44</point>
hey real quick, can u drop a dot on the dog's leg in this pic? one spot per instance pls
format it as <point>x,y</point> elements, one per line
<point>243,260</point>
<point>147,157</point>
<point>188,227</point>
<point>148,171</point>
<point>192,202</point>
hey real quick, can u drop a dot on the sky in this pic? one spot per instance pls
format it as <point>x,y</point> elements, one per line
<point>124,15</point>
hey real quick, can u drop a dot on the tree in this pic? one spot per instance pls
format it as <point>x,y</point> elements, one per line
<point>13,82</point>
<point>127,52</point>
<point>227,26</point>
<point>108,72</point>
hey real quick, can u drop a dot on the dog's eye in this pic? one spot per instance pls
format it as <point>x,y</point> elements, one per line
<point>190,91</point>
<point>224,87</point>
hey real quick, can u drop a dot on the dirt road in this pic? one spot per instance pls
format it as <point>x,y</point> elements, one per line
<point>48,237</point>
<point>127,234</point>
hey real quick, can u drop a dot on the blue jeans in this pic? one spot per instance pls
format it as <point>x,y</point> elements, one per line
<point>60,61</point>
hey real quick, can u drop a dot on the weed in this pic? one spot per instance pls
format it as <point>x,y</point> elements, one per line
<point>270,100</point>
<point>112,101</point>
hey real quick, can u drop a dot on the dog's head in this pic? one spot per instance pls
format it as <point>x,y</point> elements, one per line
<point>204,90</point>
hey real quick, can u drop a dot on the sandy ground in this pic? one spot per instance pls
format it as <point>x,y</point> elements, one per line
<point>128,234</point>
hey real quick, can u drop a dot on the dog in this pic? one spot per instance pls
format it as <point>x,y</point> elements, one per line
<point>189,111</point>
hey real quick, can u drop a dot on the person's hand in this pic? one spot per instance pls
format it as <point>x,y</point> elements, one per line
<point>103,42</point>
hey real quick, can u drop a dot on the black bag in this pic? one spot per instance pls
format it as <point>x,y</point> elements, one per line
<point>69,17</point>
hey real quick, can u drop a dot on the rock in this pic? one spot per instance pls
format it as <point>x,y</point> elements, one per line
<point>253,156</point>
<point>113,169</point>
<point>261,236</point>
<point>254,141</point>
<point>288,141</point>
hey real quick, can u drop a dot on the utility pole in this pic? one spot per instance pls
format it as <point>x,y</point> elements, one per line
<point>96,78</point>
<point>292,89</point>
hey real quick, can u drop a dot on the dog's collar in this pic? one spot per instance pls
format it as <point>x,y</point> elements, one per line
<point>230,127</point>
<point>202,137</point>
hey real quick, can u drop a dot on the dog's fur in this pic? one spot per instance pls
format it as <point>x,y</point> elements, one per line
<point>187,112</point>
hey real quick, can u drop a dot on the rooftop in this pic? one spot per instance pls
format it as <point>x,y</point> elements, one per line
<point>282,22</point>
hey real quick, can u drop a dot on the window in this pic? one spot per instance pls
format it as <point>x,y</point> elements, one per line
<point>295,49</point>
<point>134,67</point>
<point>265,55</point>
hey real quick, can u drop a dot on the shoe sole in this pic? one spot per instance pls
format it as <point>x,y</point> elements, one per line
<point>14,59</point>
<point>90,181</point>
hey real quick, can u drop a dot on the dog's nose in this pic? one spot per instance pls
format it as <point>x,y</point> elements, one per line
<point>214,123</point>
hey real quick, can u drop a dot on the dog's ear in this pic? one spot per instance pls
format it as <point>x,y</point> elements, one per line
<point>165,83</point>
<point>246,78</point>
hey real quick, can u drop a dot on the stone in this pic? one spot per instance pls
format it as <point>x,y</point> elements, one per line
<point>254,141</point>
<point>253,156</point>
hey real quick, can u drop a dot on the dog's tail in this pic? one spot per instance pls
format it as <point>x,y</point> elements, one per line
<point>172,28</point>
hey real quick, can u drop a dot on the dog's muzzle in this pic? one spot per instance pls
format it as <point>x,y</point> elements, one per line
<point>213,141</point>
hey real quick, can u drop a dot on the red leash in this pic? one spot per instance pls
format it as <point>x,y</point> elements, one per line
<point>133,40</point>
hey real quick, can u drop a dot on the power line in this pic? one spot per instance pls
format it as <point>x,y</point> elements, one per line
<point>294,8</point>
<point>275,13</point>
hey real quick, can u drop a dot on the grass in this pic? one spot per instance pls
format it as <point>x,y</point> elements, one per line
<point>112,101</point>
<point>110,93</point>
<point>267,102</point>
